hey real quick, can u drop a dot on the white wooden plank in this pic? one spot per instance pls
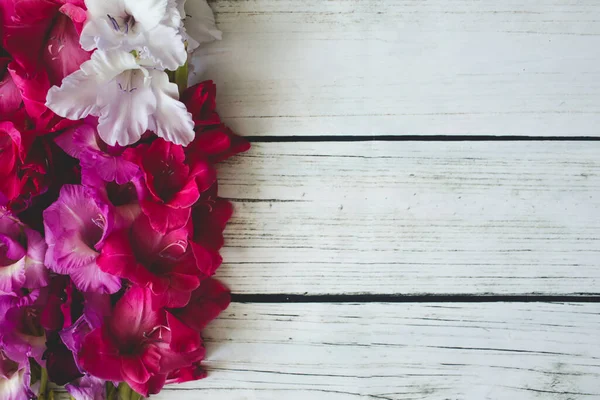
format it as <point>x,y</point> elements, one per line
<point>414,217</point>
<point>381,67</point>
<point>401,351</point>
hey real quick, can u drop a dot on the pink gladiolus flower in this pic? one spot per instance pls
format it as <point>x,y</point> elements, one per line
<point>140,344</point>
<point>76,226</point>
<point>22,252</point>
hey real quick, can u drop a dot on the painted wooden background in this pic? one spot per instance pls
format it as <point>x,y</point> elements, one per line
<point>419,217</point>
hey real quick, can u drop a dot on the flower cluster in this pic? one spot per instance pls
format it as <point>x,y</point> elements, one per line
<point>110,220</point>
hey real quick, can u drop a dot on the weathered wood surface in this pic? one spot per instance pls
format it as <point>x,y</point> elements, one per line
<point>381,67</point>
<point>414,217</point>
<point>401,351</point>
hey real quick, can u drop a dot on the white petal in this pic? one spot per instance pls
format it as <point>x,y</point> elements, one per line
<point>106,65</point>
<point>76,97</point>
<point>200,22</point>
<point>100,8</point>
<point>180,4</point>
<point>147,13</point>
<point>165,46</point>
<point>174,14</point>
<point>97,33</point>
<point>171,120</point>
<point>125,106</point>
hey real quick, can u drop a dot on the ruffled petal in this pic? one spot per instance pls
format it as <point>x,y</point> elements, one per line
<point>171,120</point>
<point>76,97</point>
<point>147,13</point>
<point>87,388</point>
<point>125,106</point>
<point>165,46</point>
<point>99,357</point>
<point>200,22</point>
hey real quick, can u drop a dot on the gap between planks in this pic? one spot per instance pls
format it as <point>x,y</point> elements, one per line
<point>417,138</point>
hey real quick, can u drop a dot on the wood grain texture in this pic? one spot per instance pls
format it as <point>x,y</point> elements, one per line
<point>413,218</point>
<point>401,351</point>
<point>385,351</point>
<point>381,67</point>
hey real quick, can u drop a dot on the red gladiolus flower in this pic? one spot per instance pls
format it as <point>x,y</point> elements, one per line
<point>11,157</point>
<point>170,265</point>
<point>43,39</point>
<point>170,185</point>
<point>216,143</point>
<point>200,101</point>
<point>140,344</point>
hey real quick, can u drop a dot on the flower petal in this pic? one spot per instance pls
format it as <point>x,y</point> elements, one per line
<point>133,370</point>
<point>125,105</point>
<point>171,120</point>
<point>200,22</point>
<point>99,357</point>
<point>147,13</point>
<point>134,316</point>
<point>75,98</point>
<point>36,274</point>
<point>87,388</point>
<point>165,46</point>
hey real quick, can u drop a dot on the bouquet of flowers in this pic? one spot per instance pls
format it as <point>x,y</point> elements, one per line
<point>110,223</point>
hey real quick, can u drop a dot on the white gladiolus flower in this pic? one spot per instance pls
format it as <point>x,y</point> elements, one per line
<point>127,95</point>
<point>150,27</point>
<point>198,24</point>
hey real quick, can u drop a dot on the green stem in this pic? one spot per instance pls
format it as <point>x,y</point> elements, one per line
<point>124,391</point>
<point>127,393</point>
<point>110,391</point>
<point>43,384</point>
<point>181,77</point>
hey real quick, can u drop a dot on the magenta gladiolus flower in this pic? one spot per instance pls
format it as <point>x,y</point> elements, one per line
<point>169,265</point>
<point>140,344</point>
<point>14,379</point>
<point>76,226</point>
<point>206,304</point>
<point>82,142</point>
<point>170,186</point>
<point>22,252</point>
<point>87,388</point>
<point>21,332</point>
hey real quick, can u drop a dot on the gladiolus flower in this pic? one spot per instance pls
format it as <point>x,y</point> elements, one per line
<point>15,379</point>
<point>128,97</point>
<point>22,252</point>
<point>170,185</point>
<point>76,225</point>
<point>140,344</point>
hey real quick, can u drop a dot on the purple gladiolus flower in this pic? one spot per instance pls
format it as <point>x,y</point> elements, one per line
<point>82,142</point>
<point>76,225</point>
<point>22,252</point>
<point>15,379</point>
